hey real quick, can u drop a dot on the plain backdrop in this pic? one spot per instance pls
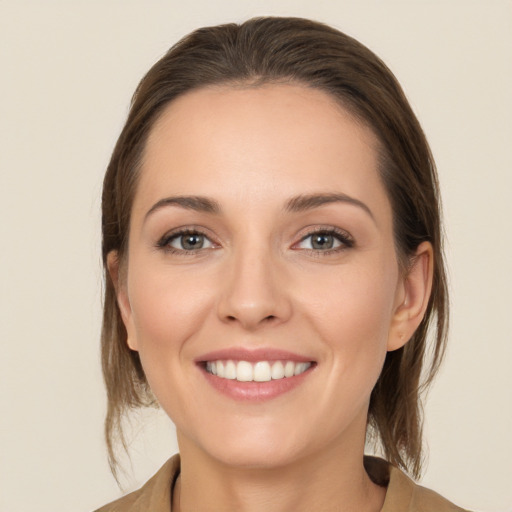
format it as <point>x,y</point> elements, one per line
<point>67,72</point>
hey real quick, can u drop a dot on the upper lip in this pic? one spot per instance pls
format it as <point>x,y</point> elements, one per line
<point>253,355</point>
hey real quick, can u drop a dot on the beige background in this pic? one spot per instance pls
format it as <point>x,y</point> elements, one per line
<point>67,71</point>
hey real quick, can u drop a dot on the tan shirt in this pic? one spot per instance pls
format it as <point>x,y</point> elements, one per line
<point>402,494</point>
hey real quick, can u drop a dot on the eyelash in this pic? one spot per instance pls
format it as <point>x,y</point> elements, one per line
<point>345,239</point>
<point>341,236</point>
<point>164,242</point>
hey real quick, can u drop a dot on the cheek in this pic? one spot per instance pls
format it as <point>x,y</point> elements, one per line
<point>167,311</point>
<point>354,321</point>
<point>167,308</point>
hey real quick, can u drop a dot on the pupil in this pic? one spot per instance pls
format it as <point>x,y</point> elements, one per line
<point>192,242</point>
<point>322,242</point>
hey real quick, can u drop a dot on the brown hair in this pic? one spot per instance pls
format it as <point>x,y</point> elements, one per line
<point>291,50</point>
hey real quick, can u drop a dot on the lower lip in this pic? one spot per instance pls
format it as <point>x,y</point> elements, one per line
<point>256,391</point>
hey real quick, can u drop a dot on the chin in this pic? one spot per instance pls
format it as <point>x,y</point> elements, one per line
<point>255,457</point>
<point>260,447</point>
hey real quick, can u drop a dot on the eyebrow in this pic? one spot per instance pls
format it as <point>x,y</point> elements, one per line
<point>195,203</point>
<point>297,204</point>
<point>310,201</point>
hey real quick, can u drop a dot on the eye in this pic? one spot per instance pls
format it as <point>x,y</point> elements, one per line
<point>185,241</point>
<point>325,241</point>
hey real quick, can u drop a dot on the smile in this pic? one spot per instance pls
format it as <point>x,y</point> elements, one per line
<point>257,375</point>
<point>259,371</point>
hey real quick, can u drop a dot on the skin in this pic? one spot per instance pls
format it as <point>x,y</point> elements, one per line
<point>257,282</point>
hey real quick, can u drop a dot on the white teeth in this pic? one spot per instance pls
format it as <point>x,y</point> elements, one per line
<point>244,371</point>
<point>261,371</point>
<point>220,369</point>
<point>300,368</point>
<point>230,370</point>
<point>277,370</point>
<point>289,369</point>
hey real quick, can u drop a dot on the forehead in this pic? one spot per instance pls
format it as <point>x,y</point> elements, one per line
<point>259,144</point>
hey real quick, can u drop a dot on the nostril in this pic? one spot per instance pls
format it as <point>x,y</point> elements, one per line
<point>269,318</point>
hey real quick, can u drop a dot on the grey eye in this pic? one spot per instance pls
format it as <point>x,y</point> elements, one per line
<point>320,241</point>
<point>190,242</point>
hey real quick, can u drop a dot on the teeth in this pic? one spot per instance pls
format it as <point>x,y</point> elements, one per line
<point>277,371</point>
<point>300,368</point>
<point>289,369</point>
<point>244,371</point>
<point>230,370</point>
<point>262,371</point>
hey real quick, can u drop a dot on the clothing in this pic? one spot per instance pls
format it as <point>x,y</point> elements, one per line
<point>402,495</point>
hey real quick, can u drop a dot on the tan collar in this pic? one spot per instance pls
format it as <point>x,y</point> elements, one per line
<point>402,495</point>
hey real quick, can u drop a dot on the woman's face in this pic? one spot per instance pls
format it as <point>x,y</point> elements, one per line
<point>261,246</point>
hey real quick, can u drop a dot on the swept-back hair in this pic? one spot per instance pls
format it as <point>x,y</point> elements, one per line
<point>298,51</point>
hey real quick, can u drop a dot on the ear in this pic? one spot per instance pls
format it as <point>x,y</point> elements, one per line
<point>119,280</point>
<point>412,297</point>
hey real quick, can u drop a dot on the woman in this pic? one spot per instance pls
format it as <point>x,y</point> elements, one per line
<point>273,256</point>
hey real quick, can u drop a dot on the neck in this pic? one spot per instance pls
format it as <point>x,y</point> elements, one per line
<point>331,480</point>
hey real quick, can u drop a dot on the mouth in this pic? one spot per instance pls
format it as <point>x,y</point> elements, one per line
<point>259,371</point>
<point>255,375</point>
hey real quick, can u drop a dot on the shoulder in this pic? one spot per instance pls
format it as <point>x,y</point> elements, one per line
<point>154,495</point>
<point>403,494</point>
<point>426,500</point>
<point>121,505</point>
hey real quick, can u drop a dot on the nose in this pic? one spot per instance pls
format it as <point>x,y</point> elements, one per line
<point>254,291</point>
